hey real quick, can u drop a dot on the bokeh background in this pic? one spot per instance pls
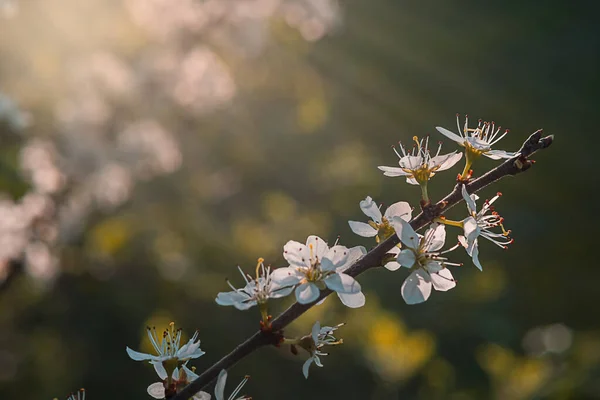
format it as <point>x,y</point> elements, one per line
<point>148,147</point>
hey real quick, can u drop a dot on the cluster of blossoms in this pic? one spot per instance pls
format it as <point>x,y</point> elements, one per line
<point>314,268</point>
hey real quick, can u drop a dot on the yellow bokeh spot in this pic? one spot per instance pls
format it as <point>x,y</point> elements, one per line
<point>110,236</point>
<point>312,112</point>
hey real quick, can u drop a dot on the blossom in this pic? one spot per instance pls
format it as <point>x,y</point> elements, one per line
<point>313,267</point>
<point>479,224</point>
<point>319,338</point>
<point>379,225</point>
<point>421,254</point>
<point>418,166</point>
<point>157,389</point>
<point>80,395</point>
<point>256,291</point>
<point>169,352</point>
<point>478,140</point>
<point>220,388</point>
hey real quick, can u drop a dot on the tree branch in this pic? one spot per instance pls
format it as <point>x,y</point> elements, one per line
<point>372,259</point>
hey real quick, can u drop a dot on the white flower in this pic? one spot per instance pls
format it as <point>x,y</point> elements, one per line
<point>479,140</point>
<point>421,254</point>
<point>379,225</point>
<point>479,224</point>
<point>157,389</point>
<point>80,395</point>
<point>220,388</point>
<point>313,267</point>
<point>418,166</point>
<point>168,350</point>
<point>256,291</point>
<point>318,338</point>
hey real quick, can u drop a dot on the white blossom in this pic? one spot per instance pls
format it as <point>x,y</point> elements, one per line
<point>319,338</point>
<point>379,225</point>
<point>256,291</point>
<point>313,267</point>
<point>480,224</point>
<point>157,389</point>
<point>168,349</point>
<point>220,388</point>
<point>421,254</point>
<point>418,166</point>
<point>479,140</point>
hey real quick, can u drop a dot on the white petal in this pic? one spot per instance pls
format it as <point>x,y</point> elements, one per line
<point>352,300</point>
<point>286,276</point>
<point>433,266</point>
<point>190,350</point>
<point>499,154</point>
<point>411,180</point>
<point>362,229</point>
<point>447,163</point>
<point>201,396</point>
<point>342,283</point>
<point>276,291</point>
<point>157,390</point>
<point>435,237</point>
<point>137,356</point>
<point>369,207</point>
<point>354,254</point>
<point>450,135</point>
<point>335,258</point>
<point>307,293</point>
<point>297,254</point>
<point>405,232</point>
<point>475,255</point>
<point>471,229</point>
<point>230,298</point>
<point>306,366</point>
<point>393,171</point>
<point>160,370</point>
<point>392,265</point>
<point>220,386</point>
<point>407,258</point>
<point>316,329</point>
<point>411,162</point>
<point>191,375</point>
<point>471,205</point>
<point>400,209</point>
<point>443,280</point>
<point>319,247</point>
<point>478,144</point>
<point>417,287</point>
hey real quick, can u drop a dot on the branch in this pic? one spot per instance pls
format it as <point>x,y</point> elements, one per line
<point>372,259</point>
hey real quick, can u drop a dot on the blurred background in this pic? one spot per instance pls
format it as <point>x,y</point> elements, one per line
<point>148,147</point>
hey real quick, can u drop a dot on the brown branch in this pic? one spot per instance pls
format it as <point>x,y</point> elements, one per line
<point>372,259</point>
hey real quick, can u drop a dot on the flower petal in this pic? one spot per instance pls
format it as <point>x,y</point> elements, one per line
<point>471,229</point>
<point>411,162</point>
<point>435,237</point>
<point>160,370</point>
<point>475,255</point>
<point>137,356</point>
<point>342,283</point>
<point>335,258</point>
<point>447,162</point>
<point>412,181</point>
<point>471,205</point>
<point>191,375</point>
<point>306,366</point>
<point>443,280</point>
<point>319,248</point>
<point>369,207</point>
<point>307,293</point>
<point>392,265</point>
<point>393,171</point>
<point>407,258</point>
<point>276,291</point>
<point>417,287</point>
<point>354,254</point>
<point>362,229</point>
<point>316,329</point>
<point>157,390</point>
<point>286,276</point>
<point>400,209</point>
<point>220,386</point>
<point>352,300</point>
<point>201,396</point>
<point>405,232</point>
<point>297,254</point>
<point>230,298</point>
<point>499,154</point>
<point>450,135</point>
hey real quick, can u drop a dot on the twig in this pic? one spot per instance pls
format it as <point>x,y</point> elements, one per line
<point>372,259</point>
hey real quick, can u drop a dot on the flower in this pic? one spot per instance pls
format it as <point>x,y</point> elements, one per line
<point>477,141</point>
<point>314,342</point>
<point>479,224</point>
<point>80,395</point>
<point>220,388</point>
<point>256,291</point>
<point>181,379</point>
<point>313,267</point>
<point>417,165</point>
<point>379,225</point>
<point>170,354</point>
<point>421,255</point>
